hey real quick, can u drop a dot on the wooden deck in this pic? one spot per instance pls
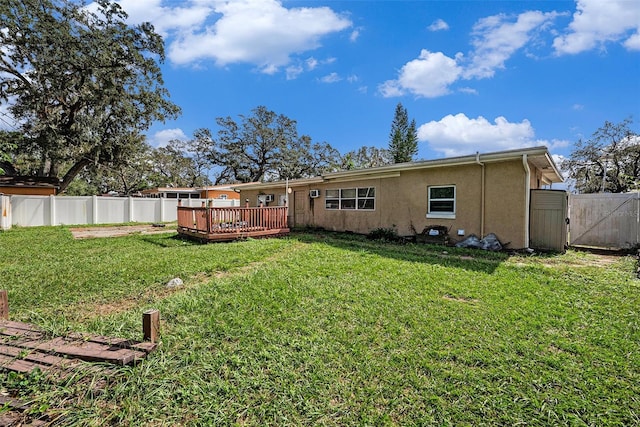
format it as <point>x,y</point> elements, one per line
<point>226,224</point>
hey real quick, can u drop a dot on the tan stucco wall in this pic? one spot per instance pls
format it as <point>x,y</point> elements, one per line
<point>402,201</point>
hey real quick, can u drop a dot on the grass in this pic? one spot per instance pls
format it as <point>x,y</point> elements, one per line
<point>329,329</point>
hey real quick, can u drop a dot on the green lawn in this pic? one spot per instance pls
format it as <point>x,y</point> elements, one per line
<point>325,329</point>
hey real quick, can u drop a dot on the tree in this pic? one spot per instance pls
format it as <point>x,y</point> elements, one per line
<point>266,146</point>
<point>366,157</point>
<point>82,84</point>
<point>171,167</point>
<point>6,147</point>
<point>403,139</point>
<point>607,162</point>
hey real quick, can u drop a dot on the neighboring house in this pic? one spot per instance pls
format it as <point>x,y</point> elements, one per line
<point>477,194</point>
<point>29,185</point>
<point>223,192</point>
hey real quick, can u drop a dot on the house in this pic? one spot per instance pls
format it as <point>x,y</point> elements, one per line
<point>476,194</point>
<point>29,185</point>
<point>222,192</point>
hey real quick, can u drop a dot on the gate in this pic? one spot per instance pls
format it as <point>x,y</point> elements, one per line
<point>604,220</point>
<point>548,220</point>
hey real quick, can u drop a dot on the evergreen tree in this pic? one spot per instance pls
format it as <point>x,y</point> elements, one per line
<point>403,139</point>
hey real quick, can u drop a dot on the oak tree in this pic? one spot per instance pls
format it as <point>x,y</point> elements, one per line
<point>81,83</point>
<point>609,161</point>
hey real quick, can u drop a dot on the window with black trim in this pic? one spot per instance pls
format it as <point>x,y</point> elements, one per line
<point>361,198</point>
<point>442,201</point>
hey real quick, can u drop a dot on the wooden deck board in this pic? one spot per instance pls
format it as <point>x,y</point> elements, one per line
<point>232,235</point>
<point>25,347</point>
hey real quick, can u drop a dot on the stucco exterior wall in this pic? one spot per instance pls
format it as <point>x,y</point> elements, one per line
<point>402,201</point>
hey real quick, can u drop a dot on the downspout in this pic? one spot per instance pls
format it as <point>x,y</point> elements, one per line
<point>527,198</point>
<point>481,195</point>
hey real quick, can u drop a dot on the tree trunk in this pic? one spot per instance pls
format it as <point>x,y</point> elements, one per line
<point>71,174</point>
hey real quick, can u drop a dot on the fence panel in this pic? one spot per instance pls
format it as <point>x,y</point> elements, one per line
<point>72,210</point>
<point>112,210</point>
<point>604,220</point>
<point>29,211</point>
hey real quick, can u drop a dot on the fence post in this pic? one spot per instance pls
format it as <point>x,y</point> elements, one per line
<point>5,206</point>
<point>151,325</point>
<point>52,210</point>
<point>94,209</point>
<point>4,305</point>
<point>162,209</point>
<point>131,216</point>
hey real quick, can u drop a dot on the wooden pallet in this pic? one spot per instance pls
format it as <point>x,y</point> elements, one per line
<point>25,347</point>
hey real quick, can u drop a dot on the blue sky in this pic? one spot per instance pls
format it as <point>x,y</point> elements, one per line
<point>475,75</point>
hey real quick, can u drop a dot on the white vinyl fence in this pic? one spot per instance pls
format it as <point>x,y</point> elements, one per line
<point>29,211</point>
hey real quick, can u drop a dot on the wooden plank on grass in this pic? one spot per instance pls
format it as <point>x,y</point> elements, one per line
<point>12,333</point>
<point>146,347</point>
<point>83,350</point>
<point>37,357</point>
<point>4,305</point>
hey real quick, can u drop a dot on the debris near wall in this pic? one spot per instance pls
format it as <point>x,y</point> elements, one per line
<point>434,234</point>
<point>489,243</point>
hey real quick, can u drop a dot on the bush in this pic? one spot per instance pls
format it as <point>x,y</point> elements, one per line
<point>385,234</point>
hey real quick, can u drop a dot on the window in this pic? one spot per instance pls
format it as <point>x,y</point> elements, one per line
<point>442,202</point>
<point>222,197</point>
<point>351,198</point>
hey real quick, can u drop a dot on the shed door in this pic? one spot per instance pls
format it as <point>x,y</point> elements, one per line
<point>548,220</point>
<point>299,207</point>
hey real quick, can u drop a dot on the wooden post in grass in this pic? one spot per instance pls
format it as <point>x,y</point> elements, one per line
<point>151,325</point>
<point>4,305</point>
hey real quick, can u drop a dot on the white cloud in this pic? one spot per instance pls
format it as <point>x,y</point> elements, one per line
<point>459,135</point>
<point>263,33</point>
<point>355,34</point>
<point>429,76</point>
<point>438,25</point>
<point>331,78</point>
<point>496,39</point>
<point>597,22</point>
<point>293,71</point>
<point>163,137</point>
<point>312,63</point>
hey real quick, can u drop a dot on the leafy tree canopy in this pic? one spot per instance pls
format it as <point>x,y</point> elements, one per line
<point>264,146</point>
<point>366,157</point>
<point>607,162</point>
<point>82,85</point>
<point>403,139</point>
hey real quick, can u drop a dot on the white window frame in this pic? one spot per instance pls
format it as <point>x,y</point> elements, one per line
<point>356,199</point>
<point>441,215</point>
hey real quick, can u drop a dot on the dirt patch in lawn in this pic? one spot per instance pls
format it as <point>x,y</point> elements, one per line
<point>122,230</point>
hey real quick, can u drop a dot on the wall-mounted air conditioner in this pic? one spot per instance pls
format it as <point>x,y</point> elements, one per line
<point>314,193</point>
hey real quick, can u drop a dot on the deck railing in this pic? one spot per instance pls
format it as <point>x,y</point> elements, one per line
<point>208,220</point>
